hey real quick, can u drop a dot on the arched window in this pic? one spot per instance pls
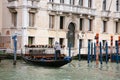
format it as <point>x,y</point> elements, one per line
<point>89,3</point>
<point>104,5</point>
<point>71,34</point>
<point>81,2</point>
<point>117,5</point>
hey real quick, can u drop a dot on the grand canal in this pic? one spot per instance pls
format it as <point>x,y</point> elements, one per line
<point>73,71</point>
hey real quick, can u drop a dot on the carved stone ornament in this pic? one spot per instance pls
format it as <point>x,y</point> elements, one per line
<point>12,10</point>
<point>33,10</point>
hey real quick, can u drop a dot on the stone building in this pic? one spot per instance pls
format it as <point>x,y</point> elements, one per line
<point>42,22</point>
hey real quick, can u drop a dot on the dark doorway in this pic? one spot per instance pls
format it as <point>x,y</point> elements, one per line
<point>71,34</point>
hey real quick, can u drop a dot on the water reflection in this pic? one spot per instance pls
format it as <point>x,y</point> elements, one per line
<point>74,71</point>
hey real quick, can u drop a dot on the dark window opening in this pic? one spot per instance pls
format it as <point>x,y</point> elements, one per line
<point>61,22</point>
<point>90,25</point>
<point>80,43</point>
<point>104,5</point>
<point>117,5</point>
<point>81,24</point>
<point>104,26</point>
<point>81,2</point>
<point>116,26</point>
<point>51,41</point>
<point>31,40</point>
<point>61,41</point>
<point>90,3</point>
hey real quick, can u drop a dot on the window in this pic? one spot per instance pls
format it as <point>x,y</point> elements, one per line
<point>104,5</point>
<point>61,41</point>
<point>61,1</point>
<point>117,5</point>
<point>72,2</point>
<point>61,22</point>
<point>14,19</point>
<point>116,27</point>
<point>71,34</point>
<point>104,26</point>
<point>81,2</point>
<point>104,43</point>
<point>51,21</point>
<point>31,40</point>
<point>51,0</point>
<point>51,41</point>
<point>32,2</point>
<point>81,24</point>
<point>31,19</point>
<point>90,25</point>
<point>90,3</point>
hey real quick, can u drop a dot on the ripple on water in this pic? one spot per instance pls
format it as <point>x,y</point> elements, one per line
<point>74,71</point>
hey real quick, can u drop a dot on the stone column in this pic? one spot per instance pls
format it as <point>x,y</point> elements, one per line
<point>24,24</point>
<point>57,27</point>
<point>66,47</point>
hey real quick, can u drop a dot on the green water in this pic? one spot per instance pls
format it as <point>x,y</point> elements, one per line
<point>74,71</point>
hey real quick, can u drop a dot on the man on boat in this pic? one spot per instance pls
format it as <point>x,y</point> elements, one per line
<point>57,50</point>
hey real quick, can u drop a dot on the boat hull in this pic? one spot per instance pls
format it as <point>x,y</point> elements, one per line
<point>48,63</point>
<point>115,58</point>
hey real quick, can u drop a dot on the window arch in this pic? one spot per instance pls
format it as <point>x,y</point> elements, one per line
<point>71,34</point>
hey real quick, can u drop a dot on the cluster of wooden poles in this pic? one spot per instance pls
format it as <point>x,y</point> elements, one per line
<point>95,51</point>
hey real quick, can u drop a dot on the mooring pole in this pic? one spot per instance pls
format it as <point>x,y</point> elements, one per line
<point>70,49</point>
<point>55,55</point>
<point>106,52</point>
<point>79,51</point>
<point>100,53</point>
<point>88,52</point>
<point>111,39</point>
<point>15,48</point>
<point>94,51</point>
<point>97,48</point>
<point>119,44</point>
<point>117,50</point>
<point>91,51</point>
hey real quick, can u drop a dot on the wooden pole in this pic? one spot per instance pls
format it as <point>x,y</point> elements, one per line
<point>117,52</point>
<point>97,48</point>
<point>15,48</point>
<point>70,49</point>
<point>88,52</point>
<point>106,52</point>
<point>94,51</point>
<point>79,51</point>
<point>111,39</point>
<point>119,44</point>
<point>100,52</point>
<point>91,52</point>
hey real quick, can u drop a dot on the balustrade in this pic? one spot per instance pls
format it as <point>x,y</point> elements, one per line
<point>70,9</point>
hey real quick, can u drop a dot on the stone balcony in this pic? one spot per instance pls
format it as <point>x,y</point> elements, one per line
<point>33,4</point>
<point>66,8</point>
<point>116,15</point>
<point>12,4</point>
<point>105,14</point>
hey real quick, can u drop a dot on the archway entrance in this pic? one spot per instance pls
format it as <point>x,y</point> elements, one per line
<point>71,34</point>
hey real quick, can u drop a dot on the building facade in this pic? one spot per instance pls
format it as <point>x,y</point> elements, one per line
<point>75,22</point>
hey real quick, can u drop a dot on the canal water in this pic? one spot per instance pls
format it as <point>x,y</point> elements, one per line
<point>74,71</point>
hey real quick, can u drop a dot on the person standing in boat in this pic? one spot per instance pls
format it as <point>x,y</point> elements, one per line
<point>57,50</point>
